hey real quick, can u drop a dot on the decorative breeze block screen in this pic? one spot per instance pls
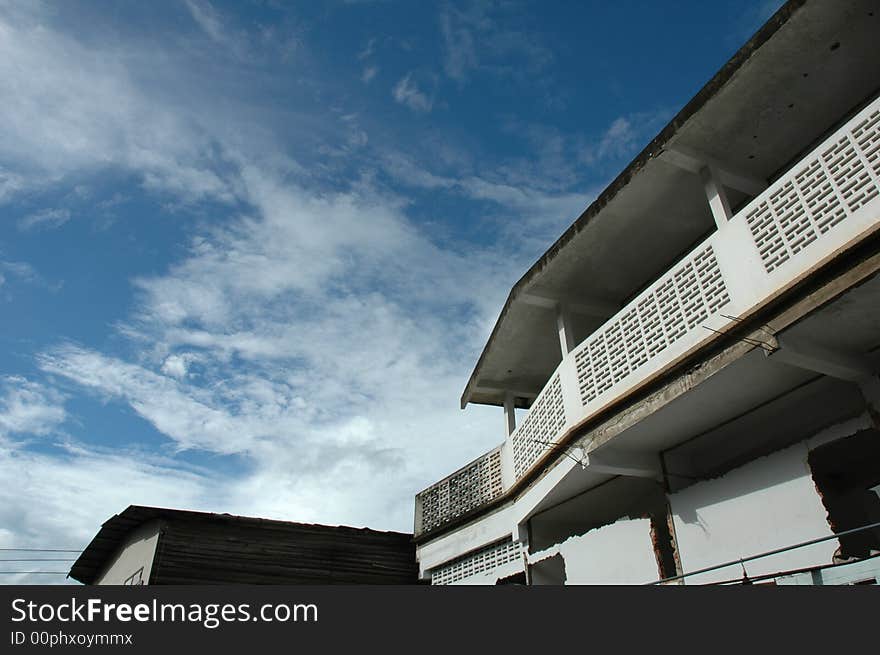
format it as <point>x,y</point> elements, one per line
<point>676,304</point>
<point>475,485</point>
<point>819,194</point>
<point>480,561</point>
<point>540,428</point>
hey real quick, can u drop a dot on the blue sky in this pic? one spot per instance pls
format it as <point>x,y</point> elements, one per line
<point>250,251</point>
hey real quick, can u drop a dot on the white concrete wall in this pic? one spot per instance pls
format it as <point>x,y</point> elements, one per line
<point>618,554</point>
<point>492,577</point>
<point>482,532</point>
<point>766,504</point>
<point>138,551</point>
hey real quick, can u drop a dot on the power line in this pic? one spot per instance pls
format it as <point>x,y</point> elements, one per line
<point>43,550</point>
<point>38,560</point>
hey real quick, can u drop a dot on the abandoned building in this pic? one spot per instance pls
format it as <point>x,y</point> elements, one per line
<point>157,546</point>
<point>698,352</point>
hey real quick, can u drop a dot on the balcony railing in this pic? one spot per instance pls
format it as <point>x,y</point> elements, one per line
<point>476,484</point>
<point>825,202</point>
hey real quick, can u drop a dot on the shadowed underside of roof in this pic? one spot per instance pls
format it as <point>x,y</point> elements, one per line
<point>811,64</point>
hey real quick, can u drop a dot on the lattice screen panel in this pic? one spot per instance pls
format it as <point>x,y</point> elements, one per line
<point>471,487</point>
<point>540,428</point>
<point>480,561</point>
<point>820,194</point>
<point>679,302</point>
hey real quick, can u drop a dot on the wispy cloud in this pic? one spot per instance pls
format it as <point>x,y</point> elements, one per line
<point>340,310</point>
<point>46,219</point>
<point>14,273</point>
<point>10,184</point>
<point>369,73</point>
<point>212,24</point>
<point>207,18</point>
<point>67,495</point>
<point>312,332</point>
<point>368,51</point>
<point>21,270</point>
<point>483,35</point>
<point>407,92</point>
<point>624,137</point>
<point>27,407</point>
<point>75,111</point>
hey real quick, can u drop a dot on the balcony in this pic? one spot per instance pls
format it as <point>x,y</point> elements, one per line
<point>823,205</point>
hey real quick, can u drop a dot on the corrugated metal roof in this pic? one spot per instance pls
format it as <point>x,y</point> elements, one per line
<point>206,548</point>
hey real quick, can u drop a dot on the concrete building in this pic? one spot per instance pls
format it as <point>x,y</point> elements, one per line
<point>698,352</point>
<point>158,546</point>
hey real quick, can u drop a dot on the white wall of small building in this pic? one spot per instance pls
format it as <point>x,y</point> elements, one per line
<point>138,550</point>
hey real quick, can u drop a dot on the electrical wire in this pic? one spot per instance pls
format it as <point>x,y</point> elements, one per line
<point>43,550</point>
<point>40,560</point>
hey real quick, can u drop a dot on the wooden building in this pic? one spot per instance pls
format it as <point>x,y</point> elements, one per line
<point>151,545</point>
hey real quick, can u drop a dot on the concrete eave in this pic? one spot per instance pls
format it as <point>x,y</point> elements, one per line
<point>714,121</point>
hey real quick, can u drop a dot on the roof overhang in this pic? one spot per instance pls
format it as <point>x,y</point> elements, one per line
<point>809,67</point>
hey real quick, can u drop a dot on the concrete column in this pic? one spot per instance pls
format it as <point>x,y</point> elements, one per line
<point>716,195</point>
<point>566,332</point>
<point>509,414</point>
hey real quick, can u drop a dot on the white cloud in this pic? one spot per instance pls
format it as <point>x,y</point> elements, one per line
<point>21,270</point>
<point>461,53</point>
<point>407,92</point>
<point>541,213</point>
<point>75,109</point>
<point>319,336</point>
<point>212,24</point>
<point>193,421</point>
<point>625,136</point>
<point>68,496</point>
<point>176,366</point>
<point>368,50</point>
<point>10,184</point>
<point>369,73</point>
<point>481,36</point>
<point>28,407</point>
<point>318,346</point>
<point>46,219</point>
<point>16,273</point>
<point>207,18</point>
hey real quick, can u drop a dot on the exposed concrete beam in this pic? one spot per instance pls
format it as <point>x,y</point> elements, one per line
<point>716,195</point>
<point>509,414</point>
<point>693,161</point>
<point>629,464</point>
<point>820,359</point>
<point>596,308</point>
<point>565,329</point>
<point>517,388</point>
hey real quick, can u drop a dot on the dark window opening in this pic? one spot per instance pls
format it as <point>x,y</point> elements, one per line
<point>847,475</point>
<point>516,578</point>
